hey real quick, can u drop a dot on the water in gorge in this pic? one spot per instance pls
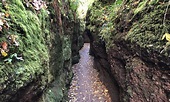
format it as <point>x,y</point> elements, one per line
<point>88,85</point>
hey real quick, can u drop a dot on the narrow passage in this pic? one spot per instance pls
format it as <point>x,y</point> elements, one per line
<point>86,85</point>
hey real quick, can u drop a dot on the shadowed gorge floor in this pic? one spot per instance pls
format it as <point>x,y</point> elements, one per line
<point>86,85</point>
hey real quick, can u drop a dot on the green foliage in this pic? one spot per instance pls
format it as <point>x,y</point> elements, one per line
<point>140,7</point>
<point>74,4</point>
<point>103,15</point>
<point>167,36</point>
<point>151,2</point>
<point>118,2</point>
<point>148,31</point>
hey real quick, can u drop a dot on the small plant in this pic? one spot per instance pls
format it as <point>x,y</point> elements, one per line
<point>167,36</point>
<point>103,16</point>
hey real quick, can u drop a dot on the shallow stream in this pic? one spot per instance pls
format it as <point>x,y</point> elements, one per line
<point>89,84</point>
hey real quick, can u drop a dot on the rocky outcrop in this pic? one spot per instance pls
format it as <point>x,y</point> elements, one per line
<point>36,50</point>
<point>98,50</point>
<point>140,80</point>
<point>139,59</point>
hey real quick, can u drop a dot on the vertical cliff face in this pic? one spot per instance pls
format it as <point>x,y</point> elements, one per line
<point>138,56</point>
<point>37,39</point>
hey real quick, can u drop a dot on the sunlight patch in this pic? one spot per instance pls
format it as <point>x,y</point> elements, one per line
<point>83,7</point>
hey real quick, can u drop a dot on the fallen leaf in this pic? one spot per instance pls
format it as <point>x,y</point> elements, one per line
<point>6,15</point>
<point>106,90</point>
<point>12,39</point>
<point>4,54</point>
<point>167,36</point>
<point>4,45</point>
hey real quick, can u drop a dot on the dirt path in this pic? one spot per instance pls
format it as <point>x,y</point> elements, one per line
<point>86,85</point>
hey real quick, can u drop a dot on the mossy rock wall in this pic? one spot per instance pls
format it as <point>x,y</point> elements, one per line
<point>138,56</point>
<point>42,61</point>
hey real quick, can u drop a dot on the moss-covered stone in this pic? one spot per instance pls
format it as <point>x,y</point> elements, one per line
<point>31,31</point>
<point>62,53</point>
<point>148,31</point>
<point>46,52</point>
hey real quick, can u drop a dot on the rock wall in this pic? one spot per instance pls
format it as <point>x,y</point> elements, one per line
<point>139,58</point>
<point>36,50</point>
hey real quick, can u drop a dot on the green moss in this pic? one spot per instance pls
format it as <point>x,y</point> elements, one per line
<point>148,31</point>
<point>113,21</point>
<point>101,20</point>
<point>66,47</point>
<point>61,69</point>
<point>32,30</point>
